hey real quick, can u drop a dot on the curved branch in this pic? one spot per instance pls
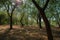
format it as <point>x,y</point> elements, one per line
<point>13,10</point>
<point>8,10</point>
<point>45,6</point>
<point>37,6</point>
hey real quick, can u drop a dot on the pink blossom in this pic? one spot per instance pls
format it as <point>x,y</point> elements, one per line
<point>18,2</point>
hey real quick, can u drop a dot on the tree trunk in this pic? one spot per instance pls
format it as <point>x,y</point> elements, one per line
<point>21,20</point>
<point>0,21</point>
<point>39,22</point>
<point>59,24</point>
<point>11,22</point>
<point>47,24</point>
<point>21,23</point>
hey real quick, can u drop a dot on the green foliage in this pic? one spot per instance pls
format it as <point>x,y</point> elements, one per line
<point>30,12</point>
<point>2,2</point>
<point>3,18</point>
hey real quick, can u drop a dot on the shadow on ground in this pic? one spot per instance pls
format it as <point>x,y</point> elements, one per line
<point>26,33</point>
<point>4,35</point>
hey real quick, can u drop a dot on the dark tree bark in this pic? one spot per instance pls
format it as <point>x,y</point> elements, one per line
<point>21,22</point>
<point>39,20</point>
<point>11,22</point>
<point>42,13</point>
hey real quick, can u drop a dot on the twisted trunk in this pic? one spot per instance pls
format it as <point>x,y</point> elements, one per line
<point>47,24</point>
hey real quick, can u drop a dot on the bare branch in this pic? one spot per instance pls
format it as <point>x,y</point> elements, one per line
<point>45,6</point>
<point>13,9</point>
<point>35,3</point>
<point>8,10</point>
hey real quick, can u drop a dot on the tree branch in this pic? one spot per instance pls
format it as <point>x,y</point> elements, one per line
<point>45,6</point>
<point>38,7</point>
<point>13,10</point>
<point>8,10</point>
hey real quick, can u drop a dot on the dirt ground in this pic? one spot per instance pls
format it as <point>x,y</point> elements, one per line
<point>26,33</point>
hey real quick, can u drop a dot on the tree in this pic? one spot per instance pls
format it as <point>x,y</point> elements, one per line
<point>10,14</point>
<point>10,6</point>
<point>21,20</point>
<point>42,13</point>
